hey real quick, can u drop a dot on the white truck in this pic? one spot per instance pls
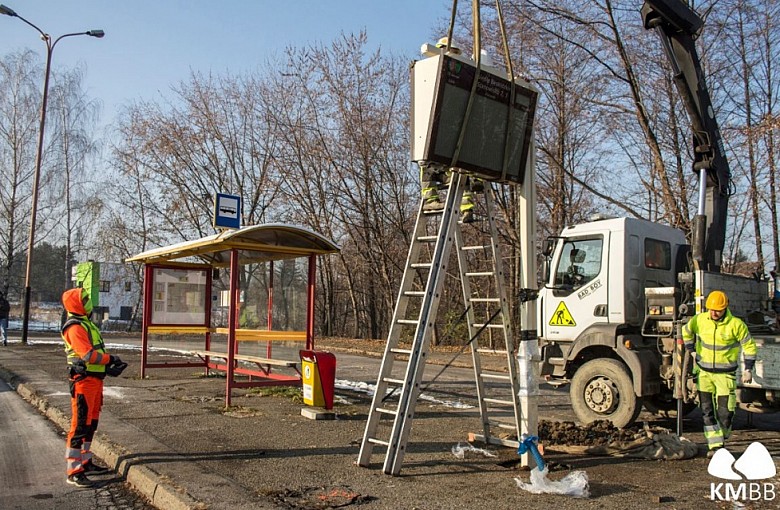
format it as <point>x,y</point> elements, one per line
<point>617,291</point>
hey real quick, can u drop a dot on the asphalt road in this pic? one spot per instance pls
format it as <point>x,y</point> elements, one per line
<point>32,466</point>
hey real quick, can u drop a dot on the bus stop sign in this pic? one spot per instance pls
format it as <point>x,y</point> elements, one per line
<point>227,211</point>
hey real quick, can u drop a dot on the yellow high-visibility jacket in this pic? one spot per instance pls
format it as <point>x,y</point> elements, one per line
<point>76,346</point>
<point>717,343</point>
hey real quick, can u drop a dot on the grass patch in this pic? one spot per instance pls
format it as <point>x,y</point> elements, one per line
<point>292,392</point>
<point>240,412</point>
<point>211,375</point>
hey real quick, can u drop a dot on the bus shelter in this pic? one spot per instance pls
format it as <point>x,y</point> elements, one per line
<point>180,300</point>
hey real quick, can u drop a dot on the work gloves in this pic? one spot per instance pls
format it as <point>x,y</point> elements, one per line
<point>78,367</point>
<point>747,376</point>
<point>115,366</point>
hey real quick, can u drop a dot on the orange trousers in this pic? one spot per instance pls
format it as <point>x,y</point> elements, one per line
<point>85,404</point>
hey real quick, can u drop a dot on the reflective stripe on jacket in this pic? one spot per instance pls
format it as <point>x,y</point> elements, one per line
<point>96,358</point>
<point>717,343</point>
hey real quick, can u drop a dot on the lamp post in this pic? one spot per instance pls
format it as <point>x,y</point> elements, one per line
<point>31,240</point>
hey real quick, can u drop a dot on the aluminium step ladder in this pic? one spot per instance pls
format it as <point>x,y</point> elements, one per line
<point>482,280</point>
<point>393,431</point>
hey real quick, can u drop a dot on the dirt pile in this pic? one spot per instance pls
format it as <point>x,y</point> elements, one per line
<point>603,438</point>
<point>600,432</point>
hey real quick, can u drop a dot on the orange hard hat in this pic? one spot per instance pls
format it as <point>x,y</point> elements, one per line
<point>717,300</point>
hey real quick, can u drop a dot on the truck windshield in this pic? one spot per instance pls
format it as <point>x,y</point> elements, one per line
<point>580,262</point>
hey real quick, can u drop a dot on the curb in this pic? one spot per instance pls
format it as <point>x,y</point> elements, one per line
<point>143,479</point>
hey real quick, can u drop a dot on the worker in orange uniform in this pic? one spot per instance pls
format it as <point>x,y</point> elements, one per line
<point>88,364</point>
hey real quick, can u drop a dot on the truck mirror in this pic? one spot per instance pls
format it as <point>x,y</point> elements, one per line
<point>549,247</point>
<point>545,270</point>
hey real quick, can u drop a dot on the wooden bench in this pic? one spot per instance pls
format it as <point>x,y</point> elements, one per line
<point>179,330</point>
<point>251,359</point>
<point>261,335</point>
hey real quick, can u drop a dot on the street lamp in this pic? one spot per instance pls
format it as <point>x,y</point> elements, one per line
<point>31,240</point>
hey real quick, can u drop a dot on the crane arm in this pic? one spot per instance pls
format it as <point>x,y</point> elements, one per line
<point>678,25</point>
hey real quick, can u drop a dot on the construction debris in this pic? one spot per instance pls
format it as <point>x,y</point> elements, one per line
<point>316,498</point>
<point>603,438</point>
<point>460,450</point>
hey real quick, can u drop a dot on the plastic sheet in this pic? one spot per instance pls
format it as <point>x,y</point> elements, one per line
<point>575,484</point>
<point>460,450</point>
<point>653,446</point>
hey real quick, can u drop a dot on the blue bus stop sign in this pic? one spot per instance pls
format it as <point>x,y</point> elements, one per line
<point>227,211</point>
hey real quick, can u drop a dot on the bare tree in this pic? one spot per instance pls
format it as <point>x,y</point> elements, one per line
<point>342,112</point>
<point>19,106</point>
<point>130,220</point>
<point>73,116</point>
<point>209,140</point>
<point>749,30</point>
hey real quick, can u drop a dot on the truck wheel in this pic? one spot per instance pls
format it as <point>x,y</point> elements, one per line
<point>602,389</point>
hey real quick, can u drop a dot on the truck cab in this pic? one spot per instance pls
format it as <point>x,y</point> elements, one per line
<point>592,307</point>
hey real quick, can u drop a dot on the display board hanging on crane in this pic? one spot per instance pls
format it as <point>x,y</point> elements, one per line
<point>441,86</point>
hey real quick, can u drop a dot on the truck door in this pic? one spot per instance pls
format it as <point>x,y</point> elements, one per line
<point>579,281</point>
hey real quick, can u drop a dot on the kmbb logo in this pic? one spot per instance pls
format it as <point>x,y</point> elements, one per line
<point>755,464</point>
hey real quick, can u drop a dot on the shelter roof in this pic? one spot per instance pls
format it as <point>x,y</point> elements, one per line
<point>256,243</point>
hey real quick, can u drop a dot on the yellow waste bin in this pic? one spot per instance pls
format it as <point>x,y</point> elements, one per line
<point>319,377</point>
<point>312,387</point>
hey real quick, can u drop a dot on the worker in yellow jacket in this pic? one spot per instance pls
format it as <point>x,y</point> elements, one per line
<point>716,337</point>
<point>433,178</point>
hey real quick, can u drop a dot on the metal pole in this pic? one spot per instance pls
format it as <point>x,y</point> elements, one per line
<point>36,177</point>
<point>39,155</point>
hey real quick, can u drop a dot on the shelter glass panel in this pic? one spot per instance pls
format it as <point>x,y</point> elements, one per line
<point>179,296</point>
<point>289,299</point>
<point>254,282</point>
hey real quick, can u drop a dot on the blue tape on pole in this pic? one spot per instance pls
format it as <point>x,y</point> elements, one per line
<point>529,445</point>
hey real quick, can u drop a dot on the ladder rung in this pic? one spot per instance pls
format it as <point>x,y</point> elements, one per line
<point>384,410</point>
<point>498,401</point>
<point>485,300</point>
<point>468,248</point>
<point>378,441</point>
<point>481,273</point>
<point>493,326</point>
<point>414,293</point>
<point>396,350</point>
<point>490,351</point>
<point>510,443</point>
<point>411,322</point>
<point>427,239</point>
<point>421,265</point>
<point>502,425</point>
<point>390,380</point>
<point>498,377</point>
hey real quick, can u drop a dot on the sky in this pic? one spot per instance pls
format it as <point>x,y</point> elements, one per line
<point>152,45</point>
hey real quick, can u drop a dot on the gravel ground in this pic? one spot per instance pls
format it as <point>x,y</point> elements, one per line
<point>263,445</point>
